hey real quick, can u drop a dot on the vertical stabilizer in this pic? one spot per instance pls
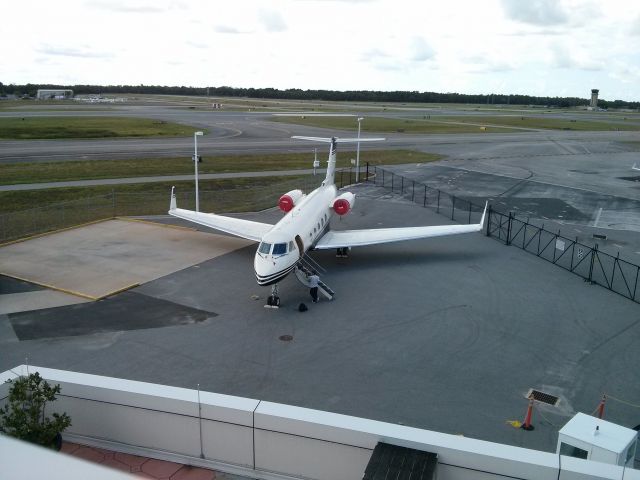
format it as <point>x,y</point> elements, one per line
<point>331,167</point>
<point>331,164</point>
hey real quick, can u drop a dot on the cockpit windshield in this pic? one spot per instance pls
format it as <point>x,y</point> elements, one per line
<point>279,249</point>
<point>264,248</point>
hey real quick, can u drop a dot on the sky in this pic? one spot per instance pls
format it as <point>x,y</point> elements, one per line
<point>531,47</point>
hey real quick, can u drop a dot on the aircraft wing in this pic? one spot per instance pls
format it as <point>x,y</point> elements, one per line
<point>360,238</point>
<point>235,226</point>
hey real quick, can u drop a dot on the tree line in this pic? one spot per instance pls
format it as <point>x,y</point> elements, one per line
<point>325,95</point>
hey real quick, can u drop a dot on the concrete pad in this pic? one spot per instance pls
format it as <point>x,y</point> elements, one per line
<point>28,301</point>
<point>98,260</point>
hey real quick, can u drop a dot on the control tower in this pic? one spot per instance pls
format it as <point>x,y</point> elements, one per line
<point>594,98</point>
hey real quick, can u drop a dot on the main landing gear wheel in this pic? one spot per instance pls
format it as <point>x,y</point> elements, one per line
<point>273,300</point>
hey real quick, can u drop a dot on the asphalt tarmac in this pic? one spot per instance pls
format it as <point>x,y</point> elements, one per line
<point>446,334</point>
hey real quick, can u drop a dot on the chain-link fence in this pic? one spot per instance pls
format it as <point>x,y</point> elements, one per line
<point>588,262</point>
<point>246,197</point>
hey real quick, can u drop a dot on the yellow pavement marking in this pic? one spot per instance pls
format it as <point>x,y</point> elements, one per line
<point>149,222</point>
<point>120,290</point>
<point>38,235</point>
<point>52,287</point>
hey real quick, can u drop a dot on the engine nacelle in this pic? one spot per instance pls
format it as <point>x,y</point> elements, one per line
<point>344,203</point>
<point>289,200</point>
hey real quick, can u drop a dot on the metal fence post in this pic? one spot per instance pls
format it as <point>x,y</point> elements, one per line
<point>424,203</point>
<point>413,191</point>
<point>508,242</point>
<point>453,207</point>
<point>367,175</point>
<point>438,207</point>
<point>469,220</point>
<point>401,185</point>
<point>616,261</point>
<point>393,175</point>
<point>593,255</point>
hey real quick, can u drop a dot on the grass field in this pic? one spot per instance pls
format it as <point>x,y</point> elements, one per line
<point>457,124</point>
<point>16,173</point>
<point>65,207</point>
<point>23,200</point>
<point>519,121</point>
<point>27,128</point>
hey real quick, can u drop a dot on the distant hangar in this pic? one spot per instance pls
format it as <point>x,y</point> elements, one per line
<point>57,94</point>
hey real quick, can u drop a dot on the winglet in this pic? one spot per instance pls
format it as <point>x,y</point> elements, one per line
<point>484,213</point>
<point>634,167</point>
<point>172,205</point>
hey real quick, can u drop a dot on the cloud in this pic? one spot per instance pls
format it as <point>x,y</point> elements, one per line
<point>272,20</point>
<point>635,26</point>
<point>126,7</point>
<point>546,32</point>
<point>421,50</point>
<point>535,12</point>
<point>564,58</point>
<point>483,63</point>
<point>373,54</point>
<point>227,29</point>
<point>85,52</point>
<point>195,44</point>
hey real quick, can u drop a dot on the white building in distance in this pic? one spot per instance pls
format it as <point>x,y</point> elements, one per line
<point>57,94</point>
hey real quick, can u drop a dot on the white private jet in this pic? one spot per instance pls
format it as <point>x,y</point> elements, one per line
<point>306,226</point>
<point>635,167</point>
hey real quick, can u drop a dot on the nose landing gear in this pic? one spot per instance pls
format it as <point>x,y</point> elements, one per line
<point>273,300</point>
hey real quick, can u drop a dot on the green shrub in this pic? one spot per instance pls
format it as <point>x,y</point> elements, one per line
<point>24,416</point>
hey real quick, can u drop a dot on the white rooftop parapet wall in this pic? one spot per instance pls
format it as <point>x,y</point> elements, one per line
<point>273,441</point>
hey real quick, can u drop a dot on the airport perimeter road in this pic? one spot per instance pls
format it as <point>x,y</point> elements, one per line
<point>447,334</point>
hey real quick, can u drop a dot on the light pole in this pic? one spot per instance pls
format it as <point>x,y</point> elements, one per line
<point>195,161</point>
<point>358,151</point>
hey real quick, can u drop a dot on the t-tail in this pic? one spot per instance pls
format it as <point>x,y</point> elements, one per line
<point>331,162</point>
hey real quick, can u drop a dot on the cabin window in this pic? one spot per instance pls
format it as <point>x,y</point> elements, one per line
<point>279,249</point>
<point>264,248</point>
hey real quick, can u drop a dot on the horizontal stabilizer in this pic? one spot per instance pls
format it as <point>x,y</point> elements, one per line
<point>340,140</point>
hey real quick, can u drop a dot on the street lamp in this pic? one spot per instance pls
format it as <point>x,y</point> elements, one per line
<point>195,161</point>
<point>358,151</point>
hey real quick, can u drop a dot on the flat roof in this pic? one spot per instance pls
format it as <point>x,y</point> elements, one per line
<point>610,436</point>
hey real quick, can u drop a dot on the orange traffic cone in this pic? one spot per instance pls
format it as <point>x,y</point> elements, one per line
<point>527,419</point>
<point>601,406</point>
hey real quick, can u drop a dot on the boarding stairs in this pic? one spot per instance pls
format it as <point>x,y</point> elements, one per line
<point>305,267</point>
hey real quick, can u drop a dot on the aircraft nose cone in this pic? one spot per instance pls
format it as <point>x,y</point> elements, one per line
<point>269,271</point>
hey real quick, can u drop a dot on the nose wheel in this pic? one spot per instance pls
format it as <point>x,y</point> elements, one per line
<point>273,300</point>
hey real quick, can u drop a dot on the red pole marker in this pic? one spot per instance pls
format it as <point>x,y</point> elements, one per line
<point>601,406</point>
<point>527,420</point>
